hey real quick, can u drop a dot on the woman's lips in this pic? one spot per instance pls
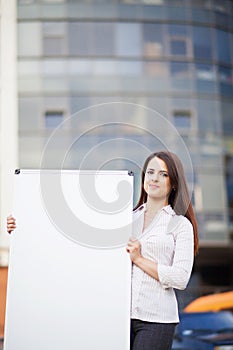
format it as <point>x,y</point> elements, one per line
<point>153,186</point>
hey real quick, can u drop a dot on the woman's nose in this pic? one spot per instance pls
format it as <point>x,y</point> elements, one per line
<point>155,177</point>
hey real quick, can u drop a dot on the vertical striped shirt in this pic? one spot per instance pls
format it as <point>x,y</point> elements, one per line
<point>168,240</point>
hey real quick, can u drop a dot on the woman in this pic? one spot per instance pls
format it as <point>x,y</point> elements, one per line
<point>162,250</point>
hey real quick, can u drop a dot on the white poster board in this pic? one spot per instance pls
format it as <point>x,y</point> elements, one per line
<point>69,272</point>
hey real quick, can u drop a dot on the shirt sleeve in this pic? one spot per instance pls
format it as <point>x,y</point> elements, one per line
<point>177,275</point>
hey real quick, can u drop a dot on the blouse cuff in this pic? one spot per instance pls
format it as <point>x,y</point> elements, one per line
<point>162,274</point>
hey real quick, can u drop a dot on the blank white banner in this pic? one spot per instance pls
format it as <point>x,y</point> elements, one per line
<point>69,272</point>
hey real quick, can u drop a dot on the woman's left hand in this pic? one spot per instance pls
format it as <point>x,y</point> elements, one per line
<point>134,249</point>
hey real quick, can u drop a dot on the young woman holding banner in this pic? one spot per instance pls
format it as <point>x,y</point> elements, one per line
<point>162,249</point>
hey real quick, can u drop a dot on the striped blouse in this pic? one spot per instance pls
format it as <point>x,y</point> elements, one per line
<point>168,240</point>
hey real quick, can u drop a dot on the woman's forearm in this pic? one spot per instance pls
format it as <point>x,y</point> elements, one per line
<point>148,266</point>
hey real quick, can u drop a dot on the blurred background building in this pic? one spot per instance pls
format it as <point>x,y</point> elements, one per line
<point>175,57</point>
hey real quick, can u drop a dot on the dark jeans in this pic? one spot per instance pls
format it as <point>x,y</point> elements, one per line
<point>151,335</point>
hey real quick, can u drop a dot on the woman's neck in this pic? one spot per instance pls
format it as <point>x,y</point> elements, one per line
<point>152,207</point>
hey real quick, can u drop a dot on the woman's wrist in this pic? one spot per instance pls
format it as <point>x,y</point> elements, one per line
<point>138,260</point>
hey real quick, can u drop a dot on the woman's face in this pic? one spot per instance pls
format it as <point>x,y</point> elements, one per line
<point>156,182</point>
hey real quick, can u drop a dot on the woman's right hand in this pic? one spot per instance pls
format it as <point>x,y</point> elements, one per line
<point>11,225</point>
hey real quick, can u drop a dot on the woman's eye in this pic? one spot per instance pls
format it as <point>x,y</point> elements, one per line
<point>164,174</point>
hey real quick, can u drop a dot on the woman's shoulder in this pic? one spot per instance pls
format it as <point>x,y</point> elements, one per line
<point>184,220</point>
<point>180,223</point>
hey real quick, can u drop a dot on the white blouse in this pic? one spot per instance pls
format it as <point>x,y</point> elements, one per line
<point>168,240</point>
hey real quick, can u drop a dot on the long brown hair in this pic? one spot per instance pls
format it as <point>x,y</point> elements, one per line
<point>179,198</point>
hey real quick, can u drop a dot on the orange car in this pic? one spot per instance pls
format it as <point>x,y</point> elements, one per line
<point>213,302</point>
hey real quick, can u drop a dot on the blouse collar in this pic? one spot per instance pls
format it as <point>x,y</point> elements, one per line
<point>167,208</point>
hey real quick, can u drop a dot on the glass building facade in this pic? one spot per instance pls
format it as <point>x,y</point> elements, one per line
<point>174,57</point>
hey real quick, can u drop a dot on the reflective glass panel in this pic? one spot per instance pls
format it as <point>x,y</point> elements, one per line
<point>180,41</point>
<point>178,47</point>
<point>221,19</point>
<point>229,183</point>
<point>125,68</point>
<point>30,113</point>
<point>208,116</point>
<point>178,30</point>
<point>201,3</point>
<point>182,119</point>
<point>220,6</point>
<point>202,43</point>
<point>158,69</point>
<point>225,75</point>
<point>54,28</point>
<point>179,70</point>
<point>205,72</point>
<point>153,12</point>
<point>53,46</point>
<point>176,13</point>
<point>128,39</point>
<point>54,38</point>
<point>223,46</point>
<point>205,78</point>
<point>226,111</point>
<point>96,39</point>
<point>175,2</point>
<point>29,39</point>
<point>213,200</point>
<point>79,36</point>
<point>153,39</point>
<point>226,80</point>
<point>53,67</point>
<point>181,76</point>
<point>102,41</point>
<point>53,118</point>
<point>201,15</point>
<point>29,67</point>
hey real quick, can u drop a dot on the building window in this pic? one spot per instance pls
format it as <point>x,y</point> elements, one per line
<point>91,39</point>
<point>29,39</point>
<point>156,69</point>
<point>153,40</point>
<point>54,38</point>
<point>180,70</point>
<point>202,43</point>
<point>179,38</point>
<point>205,72</point>
<point>128,39</point>
<point>178,46</point>
<point>223,46</point>
<point>205,75</point>
<point>225,76</point>
<point>182,119</point>
<point>53,119</point>
<point>229,183</point>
